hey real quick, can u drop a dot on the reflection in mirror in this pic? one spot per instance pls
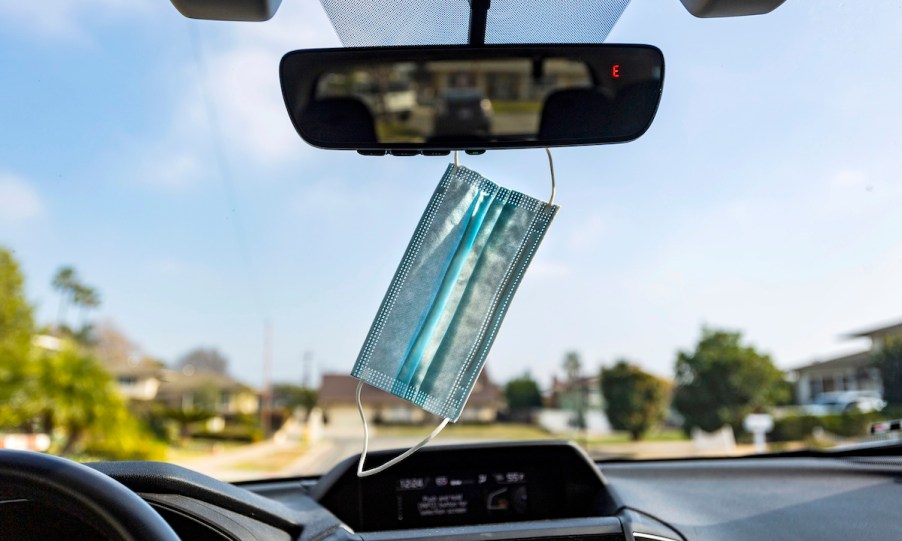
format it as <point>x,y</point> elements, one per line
<point>472,98</point>
<point>436,101</point>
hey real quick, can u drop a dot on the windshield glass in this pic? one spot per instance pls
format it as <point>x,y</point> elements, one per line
<point>183,279</point>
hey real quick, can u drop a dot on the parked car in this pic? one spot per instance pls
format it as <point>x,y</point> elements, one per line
<point>463,112</point>
<point>845,402</point>
<point>398,98</point>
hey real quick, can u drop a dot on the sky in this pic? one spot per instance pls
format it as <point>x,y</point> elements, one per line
<point>154,154</point>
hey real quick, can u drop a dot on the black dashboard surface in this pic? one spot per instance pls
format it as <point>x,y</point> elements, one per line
<point>771,498</point>
<point>566,498</point>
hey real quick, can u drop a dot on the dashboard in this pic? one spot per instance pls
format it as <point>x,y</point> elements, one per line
<point>544,491</point>
<point>472,486</point>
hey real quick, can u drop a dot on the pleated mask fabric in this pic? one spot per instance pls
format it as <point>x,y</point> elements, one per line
<point>451,291</point>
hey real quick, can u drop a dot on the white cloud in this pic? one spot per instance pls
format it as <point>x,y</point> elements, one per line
<point>241,76</point>
<point>64,19</point>
<point>234,91</point>
<point>19,202</point>
<point>181,158</point>
<point>173,168</point>
<point>849,178</point>
<point>243,85</point>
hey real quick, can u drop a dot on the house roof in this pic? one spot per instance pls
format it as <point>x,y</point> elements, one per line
<point>144,367</point>
<point>341,390</point>
<point>582,382</point>
<point>177,383</point>
<point>861,359</point>
<point>882,331</point>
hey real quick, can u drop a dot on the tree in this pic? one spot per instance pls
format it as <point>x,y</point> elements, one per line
<point>724,380</point>
<point>68,394</point>
<point>64,281</point>
<point>65,393</point>
<point>73,291</point>
<point>75,396</point>
<point>635,401</point>
<point>522,394</point>
<point>889,361</point>
<point>16,333</point>
<point>291,397</point>
<point>572,367</point>
<point>16,319</point>
<point>207,360</point>
<point>185,417</point>
<point>86,298</point>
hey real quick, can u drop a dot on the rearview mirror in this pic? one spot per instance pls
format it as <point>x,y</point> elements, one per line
<point>406,100</point>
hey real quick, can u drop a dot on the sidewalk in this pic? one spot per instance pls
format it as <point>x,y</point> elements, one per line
<point>255,460</point>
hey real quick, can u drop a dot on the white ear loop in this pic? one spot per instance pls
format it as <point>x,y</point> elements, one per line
<point>366,442</point>
<point>550,166</point>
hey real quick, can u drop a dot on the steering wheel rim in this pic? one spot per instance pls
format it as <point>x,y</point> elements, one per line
<point>88,494</point>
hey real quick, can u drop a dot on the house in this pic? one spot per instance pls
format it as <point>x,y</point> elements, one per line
<point>337,399</point>
<point>213,391</point>
<point>138,377</point>
<point>854,372</point>
<point>574,405</point>
<point>583,392</point>
<point>851,372</point>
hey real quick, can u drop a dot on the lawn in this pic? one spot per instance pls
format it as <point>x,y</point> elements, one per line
<point>196,448</point>
<point>666,434</point>
<point>495,431</point>
<point>511,431</point>
<point>274,461</point>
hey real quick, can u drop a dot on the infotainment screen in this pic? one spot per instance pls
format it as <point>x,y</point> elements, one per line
<point>456,495</point>
<point>485,495</point>
<point>465,485</point>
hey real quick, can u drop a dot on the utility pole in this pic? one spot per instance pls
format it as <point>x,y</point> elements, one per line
<point>307,363</point>
<point>266,409</point>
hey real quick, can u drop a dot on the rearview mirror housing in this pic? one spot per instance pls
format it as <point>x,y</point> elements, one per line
<point>730,8</point>
<point>228,10</point>
<point>407,100</point>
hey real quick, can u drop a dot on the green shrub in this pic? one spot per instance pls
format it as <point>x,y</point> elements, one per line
<point>845,425</point>
<point>237,433</point>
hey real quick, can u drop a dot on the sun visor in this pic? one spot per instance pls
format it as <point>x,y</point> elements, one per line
<point>368,23</point>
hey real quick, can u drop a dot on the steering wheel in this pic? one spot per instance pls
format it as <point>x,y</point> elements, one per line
<point>90,495</point>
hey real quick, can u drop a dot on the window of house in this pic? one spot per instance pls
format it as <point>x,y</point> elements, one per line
<point>815,386</point>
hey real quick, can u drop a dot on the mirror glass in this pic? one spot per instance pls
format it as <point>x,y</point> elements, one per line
<point>472,98</point>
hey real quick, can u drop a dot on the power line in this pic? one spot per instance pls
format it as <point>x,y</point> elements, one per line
<point>225,174</point>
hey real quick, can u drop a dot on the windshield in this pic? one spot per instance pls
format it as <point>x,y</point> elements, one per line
<point>183,279</point>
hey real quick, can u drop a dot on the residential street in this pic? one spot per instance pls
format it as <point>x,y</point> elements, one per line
<point>286,455</point>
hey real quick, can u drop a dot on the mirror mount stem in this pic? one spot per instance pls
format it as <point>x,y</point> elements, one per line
<point>479,14</point>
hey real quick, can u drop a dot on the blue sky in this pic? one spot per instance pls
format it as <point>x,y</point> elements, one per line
<point>764,198</point>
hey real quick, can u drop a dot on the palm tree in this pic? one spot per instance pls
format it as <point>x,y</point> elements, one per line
<point>85,298</point>
<point>572,367</point>
<point>64,281</point>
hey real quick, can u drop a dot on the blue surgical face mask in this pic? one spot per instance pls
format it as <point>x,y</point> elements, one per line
<point>450,293</point>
